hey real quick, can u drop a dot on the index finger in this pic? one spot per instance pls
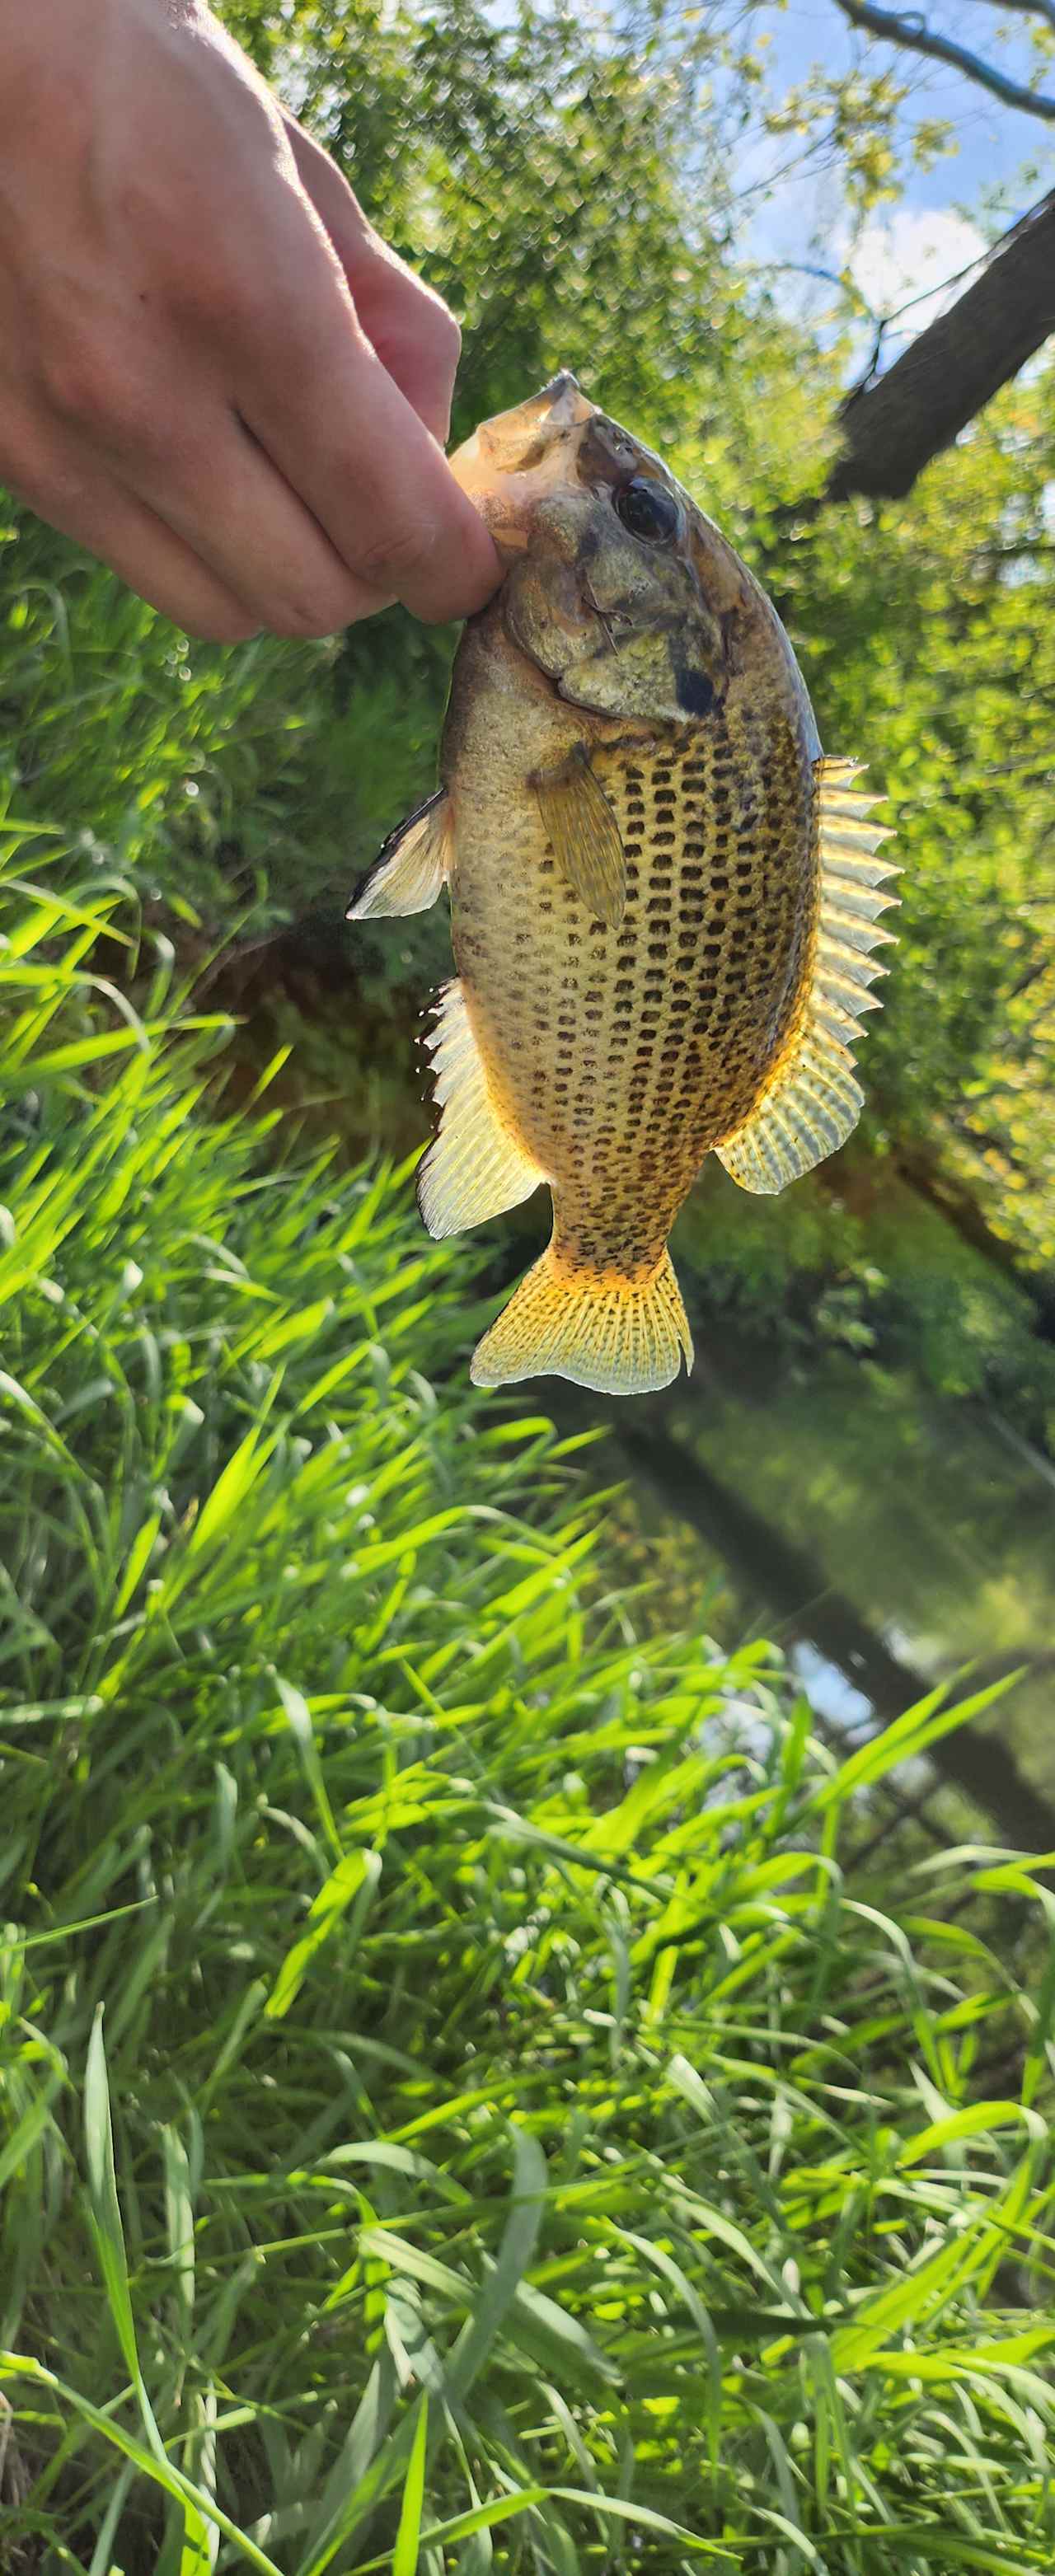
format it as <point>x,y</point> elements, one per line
<point>416,338</point>
<point>351,446</point>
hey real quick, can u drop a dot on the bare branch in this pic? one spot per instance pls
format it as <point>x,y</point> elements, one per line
<point>828,277</point>
<point>927,292</point>
<point>1029,9</point>
<point>913,31</point>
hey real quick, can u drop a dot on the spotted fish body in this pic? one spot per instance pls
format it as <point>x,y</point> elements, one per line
<point>621,1055</point>
<point>662,898</point>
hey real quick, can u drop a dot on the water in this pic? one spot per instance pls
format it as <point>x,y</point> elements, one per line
<point>886,1539</point>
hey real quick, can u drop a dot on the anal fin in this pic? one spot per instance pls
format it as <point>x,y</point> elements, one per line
<point>475,1167</point>
<point>413,865</point>
<point>812,1100</point>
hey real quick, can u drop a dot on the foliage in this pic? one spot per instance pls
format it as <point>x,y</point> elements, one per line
<point>989,70</point>
<point>928,632</point>
<point>455,2110</point>
<point>858,1260</point>
<point>234,782</point>
<point>568,196</point>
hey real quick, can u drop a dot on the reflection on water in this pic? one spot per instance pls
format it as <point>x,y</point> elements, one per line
<point>887,1539</point>
<point>828,1690</point>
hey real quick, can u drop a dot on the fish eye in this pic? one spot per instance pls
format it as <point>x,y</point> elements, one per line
<point>647,510</point>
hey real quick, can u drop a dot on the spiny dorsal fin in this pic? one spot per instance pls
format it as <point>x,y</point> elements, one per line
<point>813,1098</point>
<point>412,866</point>
<point>585,835</point>
<point>474,1167</point>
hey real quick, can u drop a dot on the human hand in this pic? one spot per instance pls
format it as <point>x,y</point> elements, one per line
<point>213,374</point>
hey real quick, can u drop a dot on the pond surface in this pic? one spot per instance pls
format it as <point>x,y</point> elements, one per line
<point>886,1539</point>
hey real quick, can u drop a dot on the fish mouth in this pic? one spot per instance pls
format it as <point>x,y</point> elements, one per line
<point>513,458</point>
<point>561,404</point>
<point>511,438</point>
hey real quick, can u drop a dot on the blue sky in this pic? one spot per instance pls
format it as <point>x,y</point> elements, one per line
<point>1004,161</point>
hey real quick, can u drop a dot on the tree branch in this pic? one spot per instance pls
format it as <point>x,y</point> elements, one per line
<point>1028,9</point>
<point>892,428</point>
<point>913,31</point>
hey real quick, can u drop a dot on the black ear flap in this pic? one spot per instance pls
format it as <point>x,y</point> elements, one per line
<point>694,690</point>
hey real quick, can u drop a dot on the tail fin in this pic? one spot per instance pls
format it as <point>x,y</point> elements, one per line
<point>618,1336</point>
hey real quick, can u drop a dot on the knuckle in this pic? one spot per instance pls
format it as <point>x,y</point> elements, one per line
<point>417,337</point>
<point>441,332</point>
<point>81,384</point>
<point>396,555</point>
<point>220,627</point>
<point>239,304</point>
<point>96,392</point>
<point>323,611</point>
<point>297,625</point>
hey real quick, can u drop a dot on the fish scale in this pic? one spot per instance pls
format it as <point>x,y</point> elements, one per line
<point>664,899</point>
<point>662,1030</point>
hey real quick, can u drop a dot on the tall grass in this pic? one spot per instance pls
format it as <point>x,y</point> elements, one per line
<point>252,780</point>
<point>455,2111</point>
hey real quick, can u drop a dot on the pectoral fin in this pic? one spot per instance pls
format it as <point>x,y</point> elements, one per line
<point>813,1099</point>
<point>412,867</point>
<point>585,835</point>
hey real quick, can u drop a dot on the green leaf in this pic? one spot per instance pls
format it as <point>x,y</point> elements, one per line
<point>405,2553</point>
<point>102,2185</point>
<point>359,1871</point>
<point>198,2553</point>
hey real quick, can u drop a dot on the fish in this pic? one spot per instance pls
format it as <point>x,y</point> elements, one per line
<point>664,898</point>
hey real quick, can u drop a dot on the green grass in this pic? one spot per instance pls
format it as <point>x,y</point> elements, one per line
<point>456,2111</point>
<point>239,784</point>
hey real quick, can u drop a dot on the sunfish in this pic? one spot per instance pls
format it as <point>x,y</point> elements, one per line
<point>664,899</point>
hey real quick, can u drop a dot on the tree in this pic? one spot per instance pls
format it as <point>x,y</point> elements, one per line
<point>893,424</point>
<point>915,33</point>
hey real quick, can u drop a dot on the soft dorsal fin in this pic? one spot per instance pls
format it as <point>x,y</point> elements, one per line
<point>413,865</point>
<point>813,1099</point>
<point>585,835</point>
<point>475,1166</point>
